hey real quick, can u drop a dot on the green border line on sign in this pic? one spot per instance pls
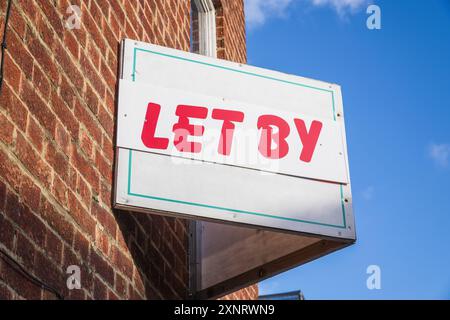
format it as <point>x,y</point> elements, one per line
<point>130,158</point>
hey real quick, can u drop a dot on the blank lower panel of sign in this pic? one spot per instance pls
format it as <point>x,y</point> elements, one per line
<point>231,194</point>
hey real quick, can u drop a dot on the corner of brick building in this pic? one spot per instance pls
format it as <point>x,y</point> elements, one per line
<point>57,156</point>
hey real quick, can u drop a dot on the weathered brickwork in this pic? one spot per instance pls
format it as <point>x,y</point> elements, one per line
<point>230,22</point>
<point>249,293</point>
<point>57,157</point>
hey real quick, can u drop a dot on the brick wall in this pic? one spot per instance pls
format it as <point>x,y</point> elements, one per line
<point>57,156</point>
<point>230,28</point>
<point>230,23</point>
<point>249,293</point>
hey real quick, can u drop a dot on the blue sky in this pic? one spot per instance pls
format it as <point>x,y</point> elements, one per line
<point>396,87</point>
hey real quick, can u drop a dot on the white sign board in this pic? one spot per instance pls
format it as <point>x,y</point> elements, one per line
<point>205,138</point>
<point>148,122</point>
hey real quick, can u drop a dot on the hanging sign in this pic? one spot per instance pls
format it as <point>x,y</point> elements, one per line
<point>209,139</point>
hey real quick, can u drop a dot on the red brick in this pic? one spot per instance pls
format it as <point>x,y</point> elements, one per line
<point>43,58</point>
<point>110,77</point>
<point>93,54</point>
<point>30,193</point>
<point>70,258</point>
<point>112,295</point>
<point>56,19</point>
<point>2,196</point>
<point>13,206</point>
<point>72,178</point>
<point>62,138</point>
<point>6,233</point>
<point>65,115</point>
<point>5,293</point>
<point>35,134</point>
<point>44,30</point>
<point>67,92</point>
<point>68,65</point>
<point>29,223</point>
<point>28,10</point>
<point>20,54</point>
<point>15,109</point>
<point>87,120</point>
<point>17,282</point>
<point>86,169</point>
<point>92,27</point>
<point>89,70</point>
<point>11,72</point>
<point>117,9</point>
<point>86,144</point>
<point>108,149</point>
<point>81,215</point>
<point>16,21</point>
<point>6,130</point>
<point>100,290</point>
<point>121,241</point>
<point>57,160</point>
<point>102,267</point>
<point>105,218</point>
<point>110,103</point>
<point>49,273</point>
<point>81,245</point>
<point>139,283</point>
<point>110,35</point>
<point>72,44</point>
<point>77,294</point>
<point>106,121</point>
<point>38,107</point>
<point>32,160</point>
<point>59,190</point>
<point>121,286</point>
<point>25,251</point>
<point>91,99</point>
<point>102,241</point>
<point>41,82</point>
<point>122,262</point>
<point>9,171</point>
<point>53,247</point>
<point>104,6</point>
<point>105,193</point>
<point>57,221</point>
<point>84,191</point>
